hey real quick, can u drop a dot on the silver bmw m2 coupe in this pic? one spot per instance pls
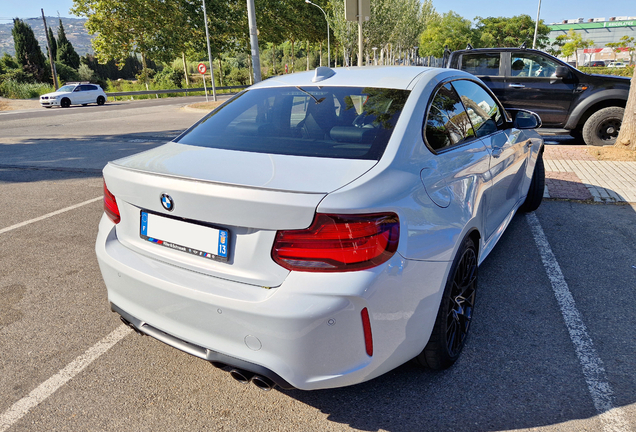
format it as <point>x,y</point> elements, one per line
<point>321,228</point>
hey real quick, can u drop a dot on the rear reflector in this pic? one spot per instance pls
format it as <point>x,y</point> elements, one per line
<point>366,327</point>
<point>337,243</point>
<point>110,205</point>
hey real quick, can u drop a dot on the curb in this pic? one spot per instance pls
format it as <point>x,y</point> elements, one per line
<point>573,174</point>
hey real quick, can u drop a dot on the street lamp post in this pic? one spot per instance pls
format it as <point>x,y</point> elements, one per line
<point>536,27</point>
<point>207,39</point>
<point>328,44</point>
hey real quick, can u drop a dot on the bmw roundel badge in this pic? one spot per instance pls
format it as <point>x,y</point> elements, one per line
<point>167,202</point>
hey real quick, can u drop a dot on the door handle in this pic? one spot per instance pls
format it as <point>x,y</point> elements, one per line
<point>516,85</point>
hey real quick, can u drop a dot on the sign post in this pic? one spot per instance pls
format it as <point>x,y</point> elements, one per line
<point>202,70</point>
<point>358,10</point>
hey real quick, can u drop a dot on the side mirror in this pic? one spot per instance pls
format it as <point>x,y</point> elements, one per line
<point>524,119</point>
<point>562,72</point>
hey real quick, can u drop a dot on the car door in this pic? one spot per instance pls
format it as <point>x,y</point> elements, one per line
<point>77,95</point>
<point>455,177</point>
<point>508,155</point>
<point>91,93</point>
<point>531,84</point>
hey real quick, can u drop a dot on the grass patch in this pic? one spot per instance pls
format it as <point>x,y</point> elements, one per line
<point>15,90</point>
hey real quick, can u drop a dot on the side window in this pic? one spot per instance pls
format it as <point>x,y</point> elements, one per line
<point>447,123</point>
<point>483,111</point>
<point>525,64</point>
<point>481,64</point>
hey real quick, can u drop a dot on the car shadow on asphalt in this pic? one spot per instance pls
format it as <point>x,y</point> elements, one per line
<point>519,368</point>
<point>58,159</point>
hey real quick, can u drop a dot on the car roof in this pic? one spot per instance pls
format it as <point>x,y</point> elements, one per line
<point>396,77</point>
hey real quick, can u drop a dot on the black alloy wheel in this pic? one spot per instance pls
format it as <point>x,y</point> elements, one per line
<point>455,311</point>
<point>608,130</point>
<point>461,302</point>
<point>100,100</point>
<point>65,103</point>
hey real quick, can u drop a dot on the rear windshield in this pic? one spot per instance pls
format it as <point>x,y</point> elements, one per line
<point>333,122</point>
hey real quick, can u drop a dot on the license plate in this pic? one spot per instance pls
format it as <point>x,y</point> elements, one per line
<point>200,240</point>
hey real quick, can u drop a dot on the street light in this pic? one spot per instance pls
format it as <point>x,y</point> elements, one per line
<point>328,44</point>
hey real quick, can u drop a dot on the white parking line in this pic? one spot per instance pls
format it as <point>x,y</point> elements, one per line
<point>48,387</point>
<point>612,418</point>
<point>48,215</point>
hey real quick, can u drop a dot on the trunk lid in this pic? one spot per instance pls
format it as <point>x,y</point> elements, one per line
<point>251,195</point>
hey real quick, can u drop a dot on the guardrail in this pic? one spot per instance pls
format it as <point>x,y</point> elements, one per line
<point>182,90</point>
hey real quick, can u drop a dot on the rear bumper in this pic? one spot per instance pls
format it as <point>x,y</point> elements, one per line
<point>214,357</point>
<point>307,333</point>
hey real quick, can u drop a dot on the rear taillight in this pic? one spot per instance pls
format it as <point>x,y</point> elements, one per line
<point>110,205</point>
<point>336,243</point>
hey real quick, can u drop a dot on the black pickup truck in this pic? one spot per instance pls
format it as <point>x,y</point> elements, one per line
<point>566,99</point>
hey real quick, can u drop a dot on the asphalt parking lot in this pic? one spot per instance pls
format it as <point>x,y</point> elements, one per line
<point>551,348</point>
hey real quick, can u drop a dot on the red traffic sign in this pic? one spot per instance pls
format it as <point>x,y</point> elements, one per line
<point>202,68</point>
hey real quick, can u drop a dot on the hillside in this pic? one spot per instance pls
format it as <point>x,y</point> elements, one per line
<point>73,27</point>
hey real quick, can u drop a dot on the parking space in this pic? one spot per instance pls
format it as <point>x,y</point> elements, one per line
<point>520,369</point>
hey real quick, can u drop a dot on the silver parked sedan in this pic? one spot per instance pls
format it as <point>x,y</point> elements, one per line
<point>322,228</point>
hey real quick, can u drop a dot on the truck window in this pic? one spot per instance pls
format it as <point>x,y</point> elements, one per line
<point>524,64</point>
<point>481,64</point>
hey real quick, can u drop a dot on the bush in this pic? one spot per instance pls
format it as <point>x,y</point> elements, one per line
<point>238,77</point>
<point>65,73</point>
<point>85,72</point>
<point>17,90</point>
<point>170,77</point>
<point>626,71</point>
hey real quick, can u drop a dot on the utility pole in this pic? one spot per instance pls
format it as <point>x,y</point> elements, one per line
<point>207,39</point>
<point>51,59</point>
<point>256,57</point>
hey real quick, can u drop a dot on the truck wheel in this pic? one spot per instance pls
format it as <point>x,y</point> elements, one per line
<point>603,126</point>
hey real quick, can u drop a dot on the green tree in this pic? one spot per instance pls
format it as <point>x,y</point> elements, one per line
<point>510,32</point>
<point>345,32</point>
<point>53,43</point>
<point>624,42</point>
<point>65,52</point>
<point>27,50</point>
<point>574,42</point>
<point>556,47</point>
<point>449,30</point>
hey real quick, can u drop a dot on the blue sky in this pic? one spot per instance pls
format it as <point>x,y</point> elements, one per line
<point>551,10</point>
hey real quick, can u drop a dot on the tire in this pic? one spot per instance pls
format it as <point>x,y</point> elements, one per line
<point>602,127</point>
<point>101,100</point>
<point>537,187</point>
<point>65,103</point>
<point>455,312</point>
